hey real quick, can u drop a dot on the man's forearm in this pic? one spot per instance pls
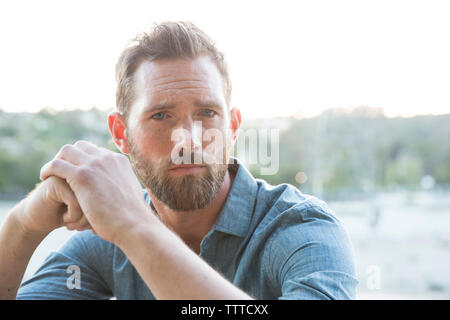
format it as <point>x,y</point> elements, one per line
<point>170,269</point>
<point>16,249</point>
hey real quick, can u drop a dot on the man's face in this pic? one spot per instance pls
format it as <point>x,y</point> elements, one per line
<point>176,103</point>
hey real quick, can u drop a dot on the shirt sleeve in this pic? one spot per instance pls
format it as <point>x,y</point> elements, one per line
<point>74,272</point>
<point>313,259</point>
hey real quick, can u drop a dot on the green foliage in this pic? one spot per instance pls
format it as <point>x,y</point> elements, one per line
<point>360,150</point>
<point>28,141</point>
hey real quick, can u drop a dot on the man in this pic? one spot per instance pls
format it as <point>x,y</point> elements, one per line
<point>203,229</point>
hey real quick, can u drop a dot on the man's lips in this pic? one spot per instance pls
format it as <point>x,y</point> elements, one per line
<point>186,166</point>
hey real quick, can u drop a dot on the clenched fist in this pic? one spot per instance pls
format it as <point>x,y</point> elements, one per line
<point>105,186</point>
<point>52,204</point>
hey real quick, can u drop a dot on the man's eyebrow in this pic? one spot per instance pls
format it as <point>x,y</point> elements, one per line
<point>198,103</point>
<point>207,104</point>
<point>159,107</point>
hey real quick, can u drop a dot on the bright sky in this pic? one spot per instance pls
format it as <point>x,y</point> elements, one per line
<point>286,57</point>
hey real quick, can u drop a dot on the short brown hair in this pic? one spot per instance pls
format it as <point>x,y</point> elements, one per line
<point>166,40</point>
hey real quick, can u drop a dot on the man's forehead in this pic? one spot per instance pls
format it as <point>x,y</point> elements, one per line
<point>166,71</point>
<point>172,82</point>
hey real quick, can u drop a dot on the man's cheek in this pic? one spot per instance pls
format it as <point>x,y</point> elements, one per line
<point>214,146</point>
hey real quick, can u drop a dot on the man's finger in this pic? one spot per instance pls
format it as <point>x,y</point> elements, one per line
<point>79,226</point>
<point>61,192</point>
<point>77,221</point>
<point>74,214</point>
<point>72,154</point>
<point>58,167</point>
<point>87,147</point>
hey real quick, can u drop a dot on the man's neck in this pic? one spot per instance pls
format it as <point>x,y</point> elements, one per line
<point>192,226</point>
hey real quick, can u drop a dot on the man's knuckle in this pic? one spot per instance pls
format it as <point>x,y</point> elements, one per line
<point>83,173</point>
<point>80,143</point>
<point>53,180</point>
<point>54,164</point>
<point>107,156</point>
<point>98,161</point>
<point>65,148</point>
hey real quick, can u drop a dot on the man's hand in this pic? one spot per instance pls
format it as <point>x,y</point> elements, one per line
<point>105,185</point>
<point>52,204</point>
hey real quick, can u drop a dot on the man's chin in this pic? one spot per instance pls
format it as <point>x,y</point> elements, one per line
<point>186,188</point>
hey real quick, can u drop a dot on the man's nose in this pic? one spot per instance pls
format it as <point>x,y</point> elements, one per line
<point>188,139</point>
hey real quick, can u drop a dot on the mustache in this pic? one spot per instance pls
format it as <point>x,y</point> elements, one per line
<point>195,157</point>
<point>192,158</point>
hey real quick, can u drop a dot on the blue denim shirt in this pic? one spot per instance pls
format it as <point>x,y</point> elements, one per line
<point>272,242</point>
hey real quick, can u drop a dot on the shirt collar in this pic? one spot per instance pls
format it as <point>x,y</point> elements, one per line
<point>237,212</point>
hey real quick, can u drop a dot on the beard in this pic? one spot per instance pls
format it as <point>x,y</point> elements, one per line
<point>182,193</point>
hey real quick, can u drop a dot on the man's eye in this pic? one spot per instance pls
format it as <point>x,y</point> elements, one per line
<point>208,113</point>
<point>158,116</point>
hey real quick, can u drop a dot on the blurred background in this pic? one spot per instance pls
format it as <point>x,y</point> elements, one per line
<point>359,91</point>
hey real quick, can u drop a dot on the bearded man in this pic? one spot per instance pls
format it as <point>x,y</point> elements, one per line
<point>202,228</point>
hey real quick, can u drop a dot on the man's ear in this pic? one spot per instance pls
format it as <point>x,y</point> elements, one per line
<point>236,120</point>
<point>118,128</point>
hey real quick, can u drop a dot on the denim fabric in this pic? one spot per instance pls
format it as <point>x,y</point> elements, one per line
<point>272,242</point>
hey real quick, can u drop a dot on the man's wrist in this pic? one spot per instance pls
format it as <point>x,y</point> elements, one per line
<point>15,218</point>
<point>147,223</point>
